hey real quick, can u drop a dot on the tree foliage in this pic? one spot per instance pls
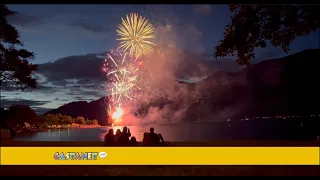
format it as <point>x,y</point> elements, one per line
<point>89,122</point>
<point>20,114</point>
<point>51,119</point>
<point>67,120</point>
<point>15,68</point>
<point>59,119</point>
<point>252,26</point>
<point>80,120</point>
<point>95,122</point>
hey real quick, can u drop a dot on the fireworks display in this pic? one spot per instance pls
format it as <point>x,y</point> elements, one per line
<point>117,114</point>
<point>121,65</point>
<point>136,34</point>
<point>121,72</point>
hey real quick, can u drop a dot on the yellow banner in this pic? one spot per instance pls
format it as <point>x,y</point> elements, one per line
<point>159,155</point>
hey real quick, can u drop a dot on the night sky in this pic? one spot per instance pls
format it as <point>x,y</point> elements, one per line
<point>65,39</point>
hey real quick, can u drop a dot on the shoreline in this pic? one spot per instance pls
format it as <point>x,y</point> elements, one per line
<point>30,132</point>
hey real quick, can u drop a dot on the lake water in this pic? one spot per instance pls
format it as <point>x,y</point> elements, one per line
<point>169,132</point>
<point>185,132</point>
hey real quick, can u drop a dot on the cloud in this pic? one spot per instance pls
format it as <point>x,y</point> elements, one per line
<point>82,98</point>
<point>203,8</point>
<point>75,76</point>
<point>25,20</point>
<point>88,27</point>
<point>60,82</point>
<point>8,102</point>
<point>52,24</point>
<point>85,81</point>
<point>40,110</point>
<point>86,67</point>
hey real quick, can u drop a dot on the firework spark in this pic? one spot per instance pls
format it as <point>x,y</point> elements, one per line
<point>136,34</point>
<point>121,74</point>
<point>117,114</point>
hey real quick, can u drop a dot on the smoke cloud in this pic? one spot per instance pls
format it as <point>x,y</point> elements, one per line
<point>162,98</point>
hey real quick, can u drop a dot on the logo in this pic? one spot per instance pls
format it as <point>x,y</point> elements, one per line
<point>79,155</point>
<point>102,154</point>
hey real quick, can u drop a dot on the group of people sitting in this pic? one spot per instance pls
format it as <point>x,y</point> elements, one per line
<point>123,138</point>
<point>152,139</point>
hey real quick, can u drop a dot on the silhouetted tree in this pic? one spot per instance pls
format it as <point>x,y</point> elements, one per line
<point>41,121</point>
<point>95,122</point>
<point>20,114</point>
<point>67,119</point>
<point>253,25</point>
<point>15,67</point>
<point>80,120</point>
<point>89,122</point>
<point>51,119</point>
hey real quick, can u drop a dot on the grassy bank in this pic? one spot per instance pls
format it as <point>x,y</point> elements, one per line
<point>162,170</point>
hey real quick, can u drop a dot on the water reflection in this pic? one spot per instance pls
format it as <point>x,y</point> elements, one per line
<point>170,133</point>
<point>178,132</point>
<point>136,131</point>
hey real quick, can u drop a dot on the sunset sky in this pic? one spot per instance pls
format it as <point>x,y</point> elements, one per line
<point>65,39</point>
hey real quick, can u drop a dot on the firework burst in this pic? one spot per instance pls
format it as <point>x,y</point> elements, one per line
<point>136,34</point>
<point>121,75</point>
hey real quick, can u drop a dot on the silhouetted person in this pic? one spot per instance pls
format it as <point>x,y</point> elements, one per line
<point>133,141</point>
<point>118,134</point>
<point>109,138</point>
<point>154,138</point>
<point>146,139</point>
<point>161,139</point>
<point>124,137</point>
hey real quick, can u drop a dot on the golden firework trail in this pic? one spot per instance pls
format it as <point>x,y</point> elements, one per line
<point>136,34</point>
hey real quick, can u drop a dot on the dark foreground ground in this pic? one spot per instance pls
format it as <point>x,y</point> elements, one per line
<point>163,170</point>
<point>160,171</point>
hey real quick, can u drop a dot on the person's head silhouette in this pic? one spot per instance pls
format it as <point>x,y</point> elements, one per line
<point>152,130</point>
<point>118,132</point>
<point>125,129</point>
<point>133,139</point>
<point>110,132</point>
